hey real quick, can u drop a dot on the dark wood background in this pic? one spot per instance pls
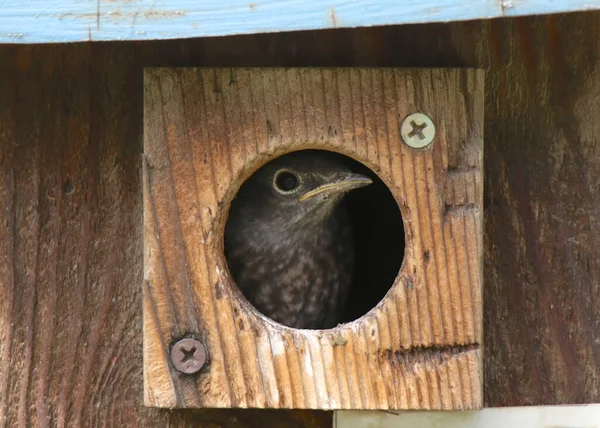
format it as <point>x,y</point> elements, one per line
<point>71,213</point>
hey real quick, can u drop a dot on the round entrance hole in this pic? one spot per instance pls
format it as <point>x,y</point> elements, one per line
<point>288,243</point>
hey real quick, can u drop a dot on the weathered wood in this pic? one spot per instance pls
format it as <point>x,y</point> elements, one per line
<point>55,21</point>
<point>541,321</point>
<point>206,130</point>
<point>71,246</point>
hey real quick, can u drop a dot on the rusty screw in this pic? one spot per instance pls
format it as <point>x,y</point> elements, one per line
<point>417,130</point>
<point>188,355</point>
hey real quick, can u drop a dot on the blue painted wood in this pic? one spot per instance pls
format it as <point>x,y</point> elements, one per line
<point>43,21</point>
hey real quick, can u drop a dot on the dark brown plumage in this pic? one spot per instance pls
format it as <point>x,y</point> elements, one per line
<point>288,241</point>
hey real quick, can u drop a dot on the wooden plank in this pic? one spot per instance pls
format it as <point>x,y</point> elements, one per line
<point>57,21</point>
<point>71,246</point>
<point>542,331</point>
<point>193,166</point>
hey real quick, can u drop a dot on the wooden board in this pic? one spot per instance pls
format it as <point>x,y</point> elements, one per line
<point>47,21</point>
<point>75,111</point>
<point>206,130</point>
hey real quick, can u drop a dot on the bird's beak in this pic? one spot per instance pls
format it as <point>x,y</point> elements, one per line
<point>342,183</point>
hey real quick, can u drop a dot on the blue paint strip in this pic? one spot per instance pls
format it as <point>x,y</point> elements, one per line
<point>45,21</point>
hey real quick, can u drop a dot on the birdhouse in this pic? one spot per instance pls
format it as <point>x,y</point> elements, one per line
<point>418,131</point>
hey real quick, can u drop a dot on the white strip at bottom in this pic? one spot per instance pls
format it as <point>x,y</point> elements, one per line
<point>580,416</point>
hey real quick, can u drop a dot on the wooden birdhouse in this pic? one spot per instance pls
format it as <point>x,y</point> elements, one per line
<point>419,131</point>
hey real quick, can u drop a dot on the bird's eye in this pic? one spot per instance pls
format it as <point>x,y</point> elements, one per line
<point>286,181</point>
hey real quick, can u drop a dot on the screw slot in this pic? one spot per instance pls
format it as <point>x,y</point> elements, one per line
<point>417,130</point>
<point>188,355</point>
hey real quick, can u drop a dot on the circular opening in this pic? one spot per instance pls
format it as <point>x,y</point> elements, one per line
<point>314,239</point>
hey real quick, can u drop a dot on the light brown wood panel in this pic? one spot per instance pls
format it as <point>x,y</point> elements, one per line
<point>196,159</point>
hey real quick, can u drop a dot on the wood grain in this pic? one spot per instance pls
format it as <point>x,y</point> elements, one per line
<point>59,21</point>
<point>541,323</point>
<point>71,247</point>
<point>206,130</point>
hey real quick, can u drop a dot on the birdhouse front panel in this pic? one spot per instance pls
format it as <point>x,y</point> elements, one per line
<point>241,309</point>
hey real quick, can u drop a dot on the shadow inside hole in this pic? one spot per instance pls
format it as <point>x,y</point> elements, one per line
<point>378,242</point>
<point>378,233</point>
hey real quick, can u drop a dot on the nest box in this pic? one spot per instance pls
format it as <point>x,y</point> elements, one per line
<point>206,131</point>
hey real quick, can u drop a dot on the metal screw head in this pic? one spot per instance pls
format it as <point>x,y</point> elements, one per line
<point>188,355</point>
<point>417,130</point>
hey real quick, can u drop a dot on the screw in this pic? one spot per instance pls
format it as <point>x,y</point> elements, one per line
<point>188,355</point>
<point>417,130</point>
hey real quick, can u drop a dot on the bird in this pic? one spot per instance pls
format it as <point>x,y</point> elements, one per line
<point>288,239</point>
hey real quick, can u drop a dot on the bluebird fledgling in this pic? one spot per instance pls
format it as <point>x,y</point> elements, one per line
<point>288,240</point>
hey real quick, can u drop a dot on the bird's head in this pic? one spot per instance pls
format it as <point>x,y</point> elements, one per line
<point>298,187</point>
